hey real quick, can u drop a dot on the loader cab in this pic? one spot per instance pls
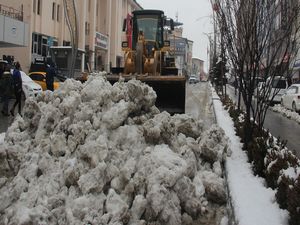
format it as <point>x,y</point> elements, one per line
<point>150,23</point>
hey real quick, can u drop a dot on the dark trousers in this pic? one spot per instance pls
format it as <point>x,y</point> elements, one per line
<point>50,86</point>
<point>18,95</point>
<point>5,99</point>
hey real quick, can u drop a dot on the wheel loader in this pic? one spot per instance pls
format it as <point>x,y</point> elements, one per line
<point>148,57</point>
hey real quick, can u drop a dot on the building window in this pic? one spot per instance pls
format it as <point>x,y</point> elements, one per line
<point>34,5</point>
<point>34,43</point>
<point>40,45</point>
<point>39,7</point>
<point>53,10</point>
<point>57,18</point>
<point>87,28</point>
<point>66,43</point>
<point>44,46</point>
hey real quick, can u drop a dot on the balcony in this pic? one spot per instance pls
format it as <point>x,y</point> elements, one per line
<point>13,31</point>
<point>11,12</point>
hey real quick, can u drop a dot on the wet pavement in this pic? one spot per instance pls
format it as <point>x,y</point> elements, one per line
<point>284,128</point>
<point>280,126</point>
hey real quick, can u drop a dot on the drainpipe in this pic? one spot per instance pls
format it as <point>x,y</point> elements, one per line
<point>109,35</point>
<point>82,33</point>
<point>92,34</point>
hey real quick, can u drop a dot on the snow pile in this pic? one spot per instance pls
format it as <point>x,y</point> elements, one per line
<point>94,153</point>
<point>286,112</point>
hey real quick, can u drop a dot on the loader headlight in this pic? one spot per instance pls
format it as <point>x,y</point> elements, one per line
<point>166,43</point>
<point>124,44</point>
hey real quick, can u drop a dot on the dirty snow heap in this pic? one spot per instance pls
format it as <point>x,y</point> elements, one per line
<point>97,153</point>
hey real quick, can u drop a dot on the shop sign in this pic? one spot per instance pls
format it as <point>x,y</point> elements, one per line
<point>50,41</point>
<point>101,41</point>
<point>14,31</point>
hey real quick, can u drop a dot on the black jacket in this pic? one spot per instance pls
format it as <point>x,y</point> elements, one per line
<point>6,84</point>
<point>50,73</point>
<point>17,80</point>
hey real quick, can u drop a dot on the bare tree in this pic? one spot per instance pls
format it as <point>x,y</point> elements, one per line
<point>260,38</point>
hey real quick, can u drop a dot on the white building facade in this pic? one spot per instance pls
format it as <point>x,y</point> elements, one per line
<point>99,24</point>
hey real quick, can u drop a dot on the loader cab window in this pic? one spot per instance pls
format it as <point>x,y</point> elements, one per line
<point>150,26</point>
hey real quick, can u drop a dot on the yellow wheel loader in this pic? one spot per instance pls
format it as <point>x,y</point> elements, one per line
<point>147,58</point>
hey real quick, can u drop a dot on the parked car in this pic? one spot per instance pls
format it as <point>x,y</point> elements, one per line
<point>193,79</point>
<point>278,87</point>
<point>30,88</point>
<point>40,78</point>
<point>291,98</point>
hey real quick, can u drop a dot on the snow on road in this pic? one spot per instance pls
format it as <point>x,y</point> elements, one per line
<point>94,153</point>
<point>286,112</point>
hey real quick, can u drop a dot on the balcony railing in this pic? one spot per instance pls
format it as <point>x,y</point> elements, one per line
<point>11,12</point>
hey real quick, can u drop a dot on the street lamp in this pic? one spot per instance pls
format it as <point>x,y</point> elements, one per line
<point>209,56</point>
<point>209,35</point>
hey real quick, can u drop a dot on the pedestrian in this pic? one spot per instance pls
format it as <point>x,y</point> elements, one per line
<point>50,74</point>
<point>2,66</point>
<point>6,89</point>
<point>17,86</point>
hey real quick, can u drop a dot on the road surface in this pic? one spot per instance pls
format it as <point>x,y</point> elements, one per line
<point>279,126</point>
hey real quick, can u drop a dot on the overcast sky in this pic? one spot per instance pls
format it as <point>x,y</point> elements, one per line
<point>195,16</point>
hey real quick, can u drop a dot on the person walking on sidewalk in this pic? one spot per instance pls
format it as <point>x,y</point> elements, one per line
<point>50,74</point>
<point>17,85</point>
<point>6,89</point>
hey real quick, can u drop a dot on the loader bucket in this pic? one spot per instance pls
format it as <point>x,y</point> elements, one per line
<point>170,95</point>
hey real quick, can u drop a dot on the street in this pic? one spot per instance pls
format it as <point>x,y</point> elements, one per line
<point>279,126</point>
<point>284,128</point>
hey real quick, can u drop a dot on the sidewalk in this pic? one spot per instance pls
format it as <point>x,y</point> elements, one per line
<point>252,202</point>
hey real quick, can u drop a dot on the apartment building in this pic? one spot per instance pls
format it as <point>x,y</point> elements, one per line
<point>198,67</point>
<point>99,24</point>
<point>182,48</point>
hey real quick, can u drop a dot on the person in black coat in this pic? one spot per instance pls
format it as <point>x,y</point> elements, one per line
<point>17,84</point>
<point>6,89</point>
<point>2,67</point>
<point>50,74</point>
